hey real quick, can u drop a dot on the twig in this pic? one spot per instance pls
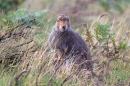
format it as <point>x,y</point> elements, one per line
<point>9,33</point>
<point>122,82</point>
<point>66,79</point>
<point>106,69</point>
<point>16,77</point>
<point>125,59</point>
<point>24,43</point>
<point>25,22</point>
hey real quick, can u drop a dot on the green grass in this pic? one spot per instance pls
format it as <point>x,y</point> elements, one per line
<point>119,72</point>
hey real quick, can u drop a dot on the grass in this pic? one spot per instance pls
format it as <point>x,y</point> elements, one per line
<point>36,56</point>
<point>119,72</point>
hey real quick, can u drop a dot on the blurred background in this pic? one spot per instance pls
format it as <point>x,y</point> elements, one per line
<point>82,10</point>
<point>78,10</point>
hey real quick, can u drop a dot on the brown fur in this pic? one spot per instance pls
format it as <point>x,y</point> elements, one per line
<point>63,40</point>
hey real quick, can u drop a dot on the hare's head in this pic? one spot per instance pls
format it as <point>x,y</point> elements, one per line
<point>63,23</point>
